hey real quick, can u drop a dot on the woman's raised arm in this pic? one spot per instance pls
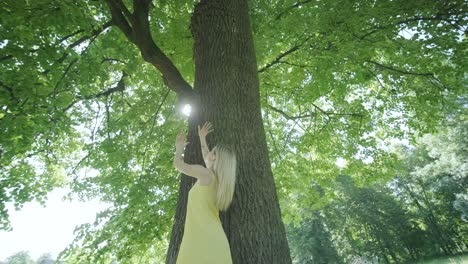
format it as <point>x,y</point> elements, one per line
<point>202,132</point>
<point>193,170</point>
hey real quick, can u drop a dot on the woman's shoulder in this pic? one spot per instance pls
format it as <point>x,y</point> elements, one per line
<point>210,179</point>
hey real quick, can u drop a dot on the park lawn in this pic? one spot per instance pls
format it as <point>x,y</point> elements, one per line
<point>447,260</point>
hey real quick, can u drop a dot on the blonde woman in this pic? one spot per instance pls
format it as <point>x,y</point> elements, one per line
<point>204,240</point>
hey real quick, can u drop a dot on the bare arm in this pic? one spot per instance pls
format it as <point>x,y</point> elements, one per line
<point>202,132</point>
<point>196,171</point>
<point>204,147</point>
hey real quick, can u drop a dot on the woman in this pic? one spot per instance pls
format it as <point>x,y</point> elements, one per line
<point>204,240</point>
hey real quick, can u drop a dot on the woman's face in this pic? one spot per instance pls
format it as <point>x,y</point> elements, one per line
<point>210,158</point>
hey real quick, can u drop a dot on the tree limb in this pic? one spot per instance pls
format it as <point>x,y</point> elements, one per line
<point>71,35</point>
<point>119,19</point>
<point>94,33</point>
<point>296,5</point>
<point>120,87</point>
<point>112,60</point>
<point>278,58</point>
<point>405,21</point>
<point>400,71</point>
<point>6,57</point>
<point>285,115</point>
<point>136,28</point>
<point>9,89</point>
<point>154,117</point>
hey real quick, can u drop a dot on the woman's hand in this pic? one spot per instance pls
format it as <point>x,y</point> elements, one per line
<point>205,130</point>
<point>180,141</point>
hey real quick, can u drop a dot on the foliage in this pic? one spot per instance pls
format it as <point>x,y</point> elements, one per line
<point>21,257</point>
<point>338,79</point>
<point>410,217</point>
<point>45,259</point>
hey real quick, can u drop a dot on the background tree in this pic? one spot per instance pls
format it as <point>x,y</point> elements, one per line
<point>45,259</point>
<point>435,176</point>
<point>21,257</point>
<point>407,218</point>
<point>82,106</point>
<point>311,242</point>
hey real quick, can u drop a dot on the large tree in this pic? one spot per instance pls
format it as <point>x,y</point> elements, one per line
<point>89,91</point>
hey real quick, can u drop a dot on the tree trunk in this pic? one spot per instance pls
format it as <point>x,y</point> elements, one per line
<point>227,94</point>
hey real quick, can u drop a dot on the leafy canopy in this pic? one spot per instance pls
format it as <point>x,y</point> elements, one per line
<point>338,79</point>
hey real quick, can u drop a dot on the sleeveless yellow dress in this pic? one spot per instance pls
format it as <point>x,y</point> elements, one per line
<point>204,240</point>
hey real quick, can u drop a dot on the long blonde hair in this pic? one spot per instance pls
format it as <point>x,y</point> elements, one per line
<point>224,167</point>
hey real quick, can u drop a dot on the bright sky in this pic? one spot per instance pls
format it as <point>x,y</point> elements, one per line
<point>49,229</point>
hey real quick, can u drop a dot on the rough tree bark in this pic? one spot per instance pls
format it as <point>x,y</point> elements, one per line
<point>226,81</point>
<point>226,93</point>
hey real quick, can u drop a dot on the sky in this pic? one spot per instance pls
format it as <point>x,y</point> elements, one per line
<point>48,229</point>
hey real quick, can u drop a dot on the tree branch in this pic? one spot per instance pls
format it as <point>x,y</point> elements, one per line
<point>329,116</point>
<point>287,116</point>
<point>400,71</point>
<point>123,8</point>
<point>112,60</point>
<point>71,35</point>
<point>296,5</point>
<point>94,33</point>
<point>377,78</point>
<point>278,58</point>
<point>412,19</point>
<point>120,87</point>
<point>9,89</point>
<point>139,33</point>
<point>154,117</point>
<point>119,19</point>
<point>6,57</point>
<point>63,76</point>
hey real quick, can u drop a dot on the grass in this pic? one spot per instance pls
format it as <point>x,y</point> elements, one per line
<point>447,260</point>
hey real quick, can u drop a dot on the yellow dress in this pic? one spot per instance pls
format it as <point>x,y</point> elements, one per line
<point>204,240</point>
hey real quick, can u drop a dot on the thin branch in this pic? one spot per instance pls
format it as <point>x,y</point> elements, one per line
<point>155,116</point>
<point>96,117</point>
<point>71,35</point>
<point>329,116</point>
<point>73,172</point>
<point>285,115</point>
<point>107,105</point>
<point>63,75</point>
<point>400,71</point>
<point>377,78</point>
<point>322,111</point>
<point>112,60</point>
<point>405,21</point>
<point>270,131</point>
<point>278,58</point>
<point>296,5</point>
<point>294,64</point>
<point>120,87</point>
<point>6,57</point>
<point>9,89</point>
<point>94,33</point>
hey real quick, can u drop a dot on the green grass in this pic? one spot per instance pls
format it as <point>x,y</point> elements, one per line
<point>447,260</point>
